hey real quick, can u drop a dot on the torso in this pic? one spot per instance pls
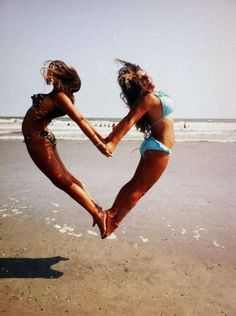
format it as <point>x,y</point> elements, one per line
<point>162,126</point>
<point>40,114</point>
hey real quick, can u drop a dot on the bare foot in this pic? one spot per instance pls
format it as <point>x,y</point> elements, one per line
<point>99,208</point>
<point>100,219</point>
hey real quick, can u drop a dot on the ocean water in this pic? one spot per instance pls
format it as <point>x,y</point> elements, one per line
<point>209,130</point>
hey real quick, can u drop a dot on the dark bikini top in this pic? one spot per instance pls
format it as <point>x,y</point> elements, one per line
<point>37,99</point>
<point>48,113</point>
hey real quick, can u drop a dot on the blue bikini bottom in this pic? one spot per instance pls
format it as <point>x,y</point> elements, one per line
<point>150,143</point>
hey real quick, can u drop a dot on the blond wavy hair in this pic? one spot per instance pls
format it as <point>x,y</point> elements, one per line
<point>133,89</point>
<point>63,77</point>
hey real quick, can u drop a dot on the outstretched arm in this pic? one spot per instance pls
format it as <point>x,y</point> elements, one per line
<point>128,121</point>
<point>95,131</point>
<point>65,104</point>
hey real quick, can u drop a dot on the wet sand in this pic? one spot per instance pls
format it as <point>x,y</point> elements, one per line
<point>173,255</point>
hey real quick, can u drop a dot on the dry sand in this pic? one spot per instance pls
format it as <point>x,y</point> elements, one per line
<point>173,255</point>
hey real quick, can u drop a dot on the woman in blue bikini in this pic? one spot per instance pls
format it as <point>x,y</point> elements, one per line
<point>41,143</point>
<point>149,111</point>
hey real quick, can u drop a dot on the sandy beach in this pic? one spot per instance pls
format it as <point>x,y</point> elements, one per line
<point>174,255</point>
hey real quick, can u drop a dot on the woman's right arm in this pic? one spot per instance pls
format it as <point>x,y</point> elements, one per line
<point>129,120</point>
<point>65,104</point>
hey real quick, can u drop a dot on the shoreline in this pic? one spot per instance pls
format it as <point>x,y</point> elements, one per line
<point>185,130</point>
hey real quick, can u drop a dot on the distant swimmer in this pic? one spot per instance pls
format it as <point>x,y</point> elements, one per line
<point>41,142</point>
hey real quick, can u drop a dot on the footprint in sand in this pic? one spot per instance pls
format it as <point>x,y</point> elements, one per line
<point>47,219</point>
<point>144,239</point>
<point>6,215</point>
<point>124,231</point>
<point>14,200</point>
<point>68,228</point>
<point>23,207</point>
<point>55,204</point>
<point>75,235</point>
<point>218,245</point>
<point>19,212</point>
<point>183,231</point>
<point>63,229</point>
<point>16,211</point>
<point>111,237</point>
<point>91,232</point>
<point>196,232</point>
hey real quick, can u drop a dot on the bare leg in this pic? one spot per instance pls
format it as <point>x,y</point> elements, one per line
<point>123,191</point>
<point>73,179</point>
<point>148,172</point>
<point>45,156</point>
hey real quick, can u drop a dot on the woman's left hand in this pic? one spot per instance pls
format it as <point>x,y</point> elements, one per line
<point>104,149</point>
<point>111,146</point>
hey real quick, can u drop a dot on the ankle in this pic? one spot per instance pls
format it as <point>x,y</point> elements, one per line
<point>111,213</point>
<point>114,222</point>
<point>97,214</point>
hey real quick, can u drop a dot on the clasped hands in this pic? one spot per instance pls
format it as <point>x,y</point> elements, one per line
<point>106,146</point>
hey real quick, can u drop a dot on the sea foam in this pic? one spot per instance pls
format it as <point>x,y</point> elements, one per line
<point>185,129</point>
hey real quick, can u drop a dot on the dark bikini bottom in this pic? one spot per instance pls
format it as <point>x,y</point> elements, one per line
<point>46,134</point>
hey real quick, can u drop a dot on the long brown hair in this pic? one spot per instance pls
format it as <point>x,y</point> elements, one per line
<point>133,89</point>
<point>63,77</point>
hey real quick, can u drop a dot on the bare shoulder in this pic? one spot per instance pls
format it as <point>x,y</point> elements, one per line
<point>150,99</point>
<point>61,97</point>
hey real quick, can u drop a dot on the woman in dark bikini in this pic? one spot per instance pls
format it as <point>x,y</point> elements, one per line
<point>41,143</point>
<point>149,111</point>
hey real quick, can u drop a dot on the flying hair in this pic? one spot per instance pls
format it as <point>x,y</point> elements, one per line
<point>63,77</point>
<point>133,88</point>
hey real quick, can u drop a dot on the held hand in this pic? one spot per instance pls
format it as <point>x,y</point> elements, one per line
<point>106,140</point>
<point>110,146</point>
<point>110,136</point>
<point>104,149</point>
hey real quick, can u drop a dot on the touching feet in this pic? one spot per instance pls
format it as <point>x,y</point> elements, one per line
<point>100,219</point>
<point>111,225</point>
<point>105,221</point>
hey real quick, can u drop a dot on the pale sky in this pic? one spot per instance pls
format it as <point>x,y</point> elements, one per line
<point>187,46</point>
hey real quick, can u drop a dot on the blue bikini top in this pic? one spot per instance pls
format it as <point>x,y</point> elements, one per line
<point>167,103</point>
